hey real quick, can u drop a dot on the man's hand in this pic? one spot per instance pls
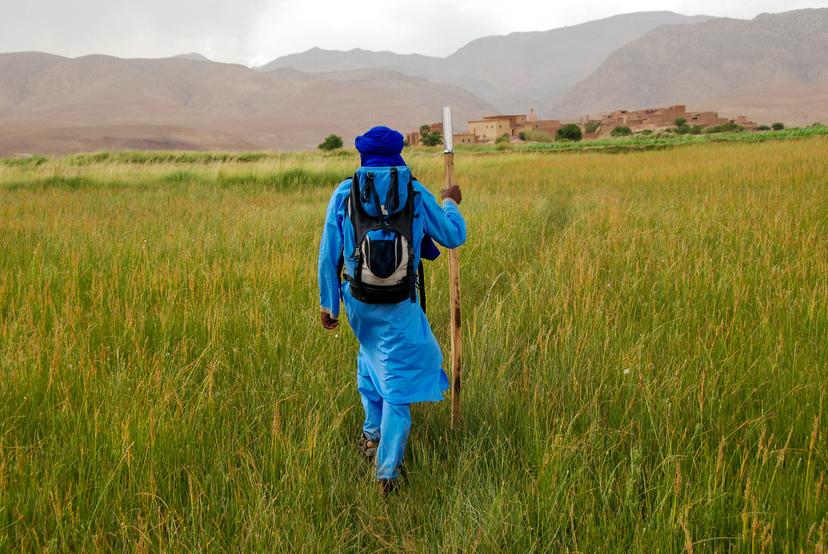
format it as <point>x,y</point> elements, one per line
<point>452,192</point>
<point>328,321</point>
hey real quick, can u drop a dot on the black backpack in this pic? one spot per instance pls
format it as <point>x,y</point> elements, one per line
<point>384,271</point>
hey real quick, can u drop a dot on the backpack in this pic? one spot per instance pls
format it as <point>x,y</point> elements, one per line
<point>384,271</point>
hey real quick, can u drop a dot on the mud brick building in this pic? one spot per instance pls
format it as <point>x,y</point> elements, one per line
<point>415,139</point>
<point>658,119</point>
<point>491,127</point>
<point>744,122</point>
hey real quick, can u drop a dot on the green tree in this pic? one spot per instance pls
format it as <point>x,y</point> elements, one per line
<point>778,126</point>
<point>592,126</point>
<point>569,131</point>
<point>502,139</point>
<point>724,128</point>
<point>763,128</point>
<point>680,122</point>
<point>331,142</point>
<point>429,137</point>
<point>621,131</point>
<point>432,139</point>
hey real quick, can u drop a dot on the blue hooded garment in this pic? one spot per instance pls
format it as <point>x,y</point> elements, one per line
<point>380,147</point>
<point>398,351</point>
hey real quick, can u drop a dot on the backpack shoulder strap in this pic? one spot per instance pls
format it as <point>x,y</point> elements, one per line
<point>392,198</point>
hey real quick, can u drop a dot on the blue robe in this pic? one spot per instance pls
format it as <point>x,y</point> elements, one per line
<point>398,351</point>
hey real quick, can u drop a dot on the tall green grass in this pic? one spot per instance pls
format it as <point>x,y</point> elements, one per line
<point>644,340</point>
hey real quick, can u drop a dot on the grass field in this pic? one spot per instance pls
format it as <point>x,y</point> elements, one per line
<point>646,356</point>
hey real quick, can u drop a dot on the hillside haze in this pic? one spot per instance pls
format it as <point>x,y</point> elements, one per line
<point>513,72</point>
<point>54,104</point>
<point>772,66</point>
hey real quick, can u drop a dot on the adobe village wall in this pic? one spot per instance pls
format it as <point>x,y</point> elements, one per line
<point>490,128</point>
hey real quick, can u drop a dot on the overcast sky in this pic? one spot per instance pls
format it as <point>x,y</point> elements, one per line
<point>255,31</point>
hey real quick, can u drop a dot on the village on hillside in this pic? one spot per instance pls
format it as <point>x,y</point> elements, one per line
<point>512,128</point>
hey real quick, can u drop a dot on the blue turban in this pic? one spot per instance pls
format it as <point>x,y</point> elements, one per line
<point>380,147</point>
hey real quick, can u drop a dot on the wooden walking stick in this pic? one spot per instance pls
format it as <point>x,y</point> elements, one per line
<point>454,280</point>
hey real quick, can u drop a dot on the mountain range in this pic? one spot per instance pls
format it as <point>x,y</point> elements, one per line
<point>54,104</point>
<point>769,57</point>
<point>512,72</point>
<point>771,68</point>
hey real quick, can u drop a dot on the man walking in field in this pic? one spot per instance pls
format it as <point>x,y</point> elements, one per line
<point>378,225</point>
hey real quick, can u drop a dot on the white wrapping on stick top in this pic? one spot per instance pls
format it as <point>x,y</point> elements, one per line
<point>448,134</point>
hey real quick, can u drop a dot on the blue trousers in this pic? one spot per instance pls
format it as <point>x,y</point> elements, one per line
<point>386,422</point>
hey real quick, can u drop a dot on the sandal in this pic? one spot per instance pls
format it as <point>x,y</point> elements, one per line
<point>367,446</point>
<point>387,486</point>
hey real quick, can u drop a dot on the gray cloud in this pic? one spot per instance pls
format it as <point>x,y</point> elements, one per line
<point>130,28</point>
<point>255,31</point>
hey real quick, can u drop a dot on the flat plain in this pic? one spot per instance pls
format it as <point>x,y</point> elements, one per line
<point>645,354</point>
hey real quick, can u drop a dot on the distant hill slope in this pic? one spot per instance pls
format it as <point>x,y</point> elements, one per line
<point>195,56</point>
<point>752,61</point>
<point>317,60</point>
<point>54,104</point>
<point>797,104</point>
<point>513,72</point>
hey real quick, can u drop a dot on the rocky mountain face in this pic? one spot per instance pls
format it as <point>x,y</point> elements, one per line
<point>514,72</point>
<point>101,102</point>
<point>695,64</point>
<point>772,68</point>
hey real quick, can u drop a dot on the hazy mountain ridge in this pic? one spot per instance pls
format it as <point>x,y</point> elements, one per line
<point>690,64</point>
<point>203,103</point>
<point>772,68</point>
<point>514,71</point>
<point>16,70</point>
<point>318,60</point>
<point>194,56</point>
